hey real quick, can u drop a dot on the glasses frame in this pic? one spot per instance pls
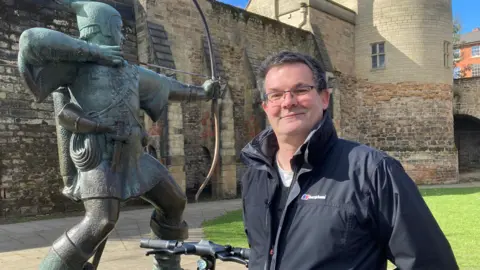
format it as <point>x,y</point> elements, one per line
<point>292,93</point>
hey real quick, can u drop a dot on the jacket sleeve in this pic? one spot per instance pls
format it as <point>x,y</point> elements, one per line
<point>407,228</point>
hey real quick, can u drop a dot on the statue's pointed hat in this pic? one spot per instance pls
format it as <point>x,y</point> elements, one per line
<point>94,13</point>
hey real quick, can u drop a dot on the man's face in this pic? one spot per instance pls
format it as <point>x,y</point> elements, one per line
<point>290,114</point>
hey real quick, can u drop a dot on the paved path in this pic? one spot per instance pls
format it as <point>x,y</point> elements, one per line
<point>23,245</point>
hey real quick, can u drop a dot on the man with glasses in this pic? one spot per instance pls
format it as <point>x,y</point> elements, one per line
<point>314,201</point>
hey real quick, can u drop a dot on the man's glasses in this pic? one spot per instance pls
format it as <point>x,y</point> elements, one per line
<point>278,96</point>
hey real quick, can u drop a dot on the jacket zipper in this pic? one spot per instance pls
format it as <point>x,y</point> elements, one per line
<point>268,204</point>
<point>282,218</point>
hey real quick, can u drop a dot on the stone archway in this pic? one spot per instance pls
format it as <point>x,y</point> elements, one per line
<point>467,141</point>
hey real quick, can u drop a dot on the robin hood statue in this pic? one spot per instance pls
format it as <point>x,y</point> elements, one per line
<point>97,99</point>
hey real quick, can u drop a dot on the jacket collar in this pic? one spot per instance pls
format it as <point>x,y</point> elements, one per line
<point>260,151</point>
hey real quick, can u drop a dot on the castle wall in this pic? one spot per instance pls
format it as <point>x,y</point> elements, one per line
<point>467,97</point>
<point>265,7</point>
<point>336,34</point>
<point>332,24</point>
<point>412,122</point>
<point>467,127</point>
<point>241,41</point>
<point>404,108</point>
<point>416,35</point>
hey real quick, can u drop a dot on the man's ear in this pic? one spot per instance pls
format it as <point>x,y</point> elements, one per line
<point>325,96</point>
<point>264,106</point>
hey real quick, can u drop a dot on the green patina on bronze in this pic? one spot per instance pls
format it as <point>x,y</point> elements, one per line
<point>98,97</point>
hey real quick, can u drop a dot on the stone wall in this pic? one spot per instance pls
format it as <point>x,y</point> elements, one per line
<point>30,182</point>
<point>467,127</point>
<point>336,35</point>
<point>265,7</point>
<point>416,34</point>
<point>412,122</point>
<point>467,141</point>
<point>333,26</point>
<point>241,40</point>
<point>467,96</point>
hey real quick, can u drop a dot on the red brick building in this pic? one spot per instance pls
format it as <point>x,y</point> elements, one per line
<point>467,55</point>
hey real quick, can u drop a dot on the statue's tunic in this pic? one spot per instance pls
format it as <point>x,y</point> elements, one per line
<point>113,97</point>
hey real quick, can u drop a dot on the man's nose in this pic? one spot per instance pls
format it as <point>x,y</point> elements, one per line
<point>289,100</point>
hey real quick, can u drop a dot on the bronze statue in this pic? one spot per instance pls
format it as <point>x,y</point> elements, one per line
<point>97,99</point>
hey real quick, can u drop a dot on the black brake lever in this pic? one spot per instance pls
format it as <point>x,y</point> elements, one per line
<point>229,258</point>
<point>159,251</point>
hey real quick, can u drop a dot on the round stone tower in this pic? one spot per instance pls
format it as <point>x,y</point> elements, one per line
<point>417,38</point>
<point>403,63</point>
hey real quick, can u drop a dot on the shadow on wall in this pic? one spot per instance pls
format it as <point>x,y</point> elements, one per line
<point>201,174</point>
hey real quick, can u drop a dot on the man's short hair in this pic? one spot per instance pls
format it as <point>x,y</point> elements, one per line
<point>289,57</point>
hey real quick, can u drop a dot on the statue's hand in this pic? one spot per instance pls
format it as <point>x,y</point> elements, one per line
<point>211,88</point>
<point>110,55</point>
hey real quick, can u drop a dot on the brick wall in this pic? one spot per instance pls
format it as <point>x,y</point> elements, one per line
<point>466,61</point>
<point>30,182</point>
<point>412,122</point>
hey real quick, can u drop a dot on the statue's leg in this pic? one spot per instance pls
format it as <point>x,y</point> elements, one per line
<point>72,250</point>
<point>167,218</point>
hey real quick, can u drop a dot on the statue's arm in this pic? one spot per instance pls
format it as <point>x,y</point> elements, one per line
<point>42,80</point>
<point>40,46</point>
<point>157,89</point>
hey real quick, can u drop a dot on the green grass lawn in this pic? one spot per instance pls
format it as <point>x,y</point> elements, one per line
<point>457,210</point>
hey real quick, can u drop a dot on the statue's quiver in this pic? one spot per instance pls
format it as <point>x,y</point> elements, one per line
<point>84,149</point>
<point>67,169</point>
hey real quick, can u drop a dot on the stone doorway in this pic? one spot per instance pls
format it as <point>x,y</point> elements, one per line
<point>467,141</point>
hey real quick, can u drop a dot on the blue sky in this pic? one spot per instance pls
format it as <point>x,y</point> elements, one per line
<point>466,13</point>
<point>462,9</point>
<point>238,3</point>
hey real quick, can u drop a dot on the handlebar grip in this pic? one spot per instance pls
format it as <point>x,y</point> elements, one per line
<point>244,253</point>
<point>157,243</point>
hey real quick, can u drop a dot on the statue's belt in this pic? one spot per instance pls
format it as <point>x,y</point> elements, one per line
<point>72,118</point>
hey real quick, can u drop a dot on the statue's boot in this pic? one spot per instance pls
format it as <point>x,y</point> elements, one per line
<point>64,255</point>
<point>165,230</point>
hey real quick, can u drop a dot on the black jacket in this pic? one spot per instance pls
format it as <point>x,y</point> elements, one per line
<point>349,207</point>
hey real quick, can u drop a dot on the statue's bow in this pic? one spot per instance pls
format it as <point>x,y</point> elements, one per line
<point>215,107</point>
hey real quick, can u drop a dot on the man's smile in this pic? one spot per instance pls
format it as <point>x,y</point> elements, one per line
<point>291,115</point>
